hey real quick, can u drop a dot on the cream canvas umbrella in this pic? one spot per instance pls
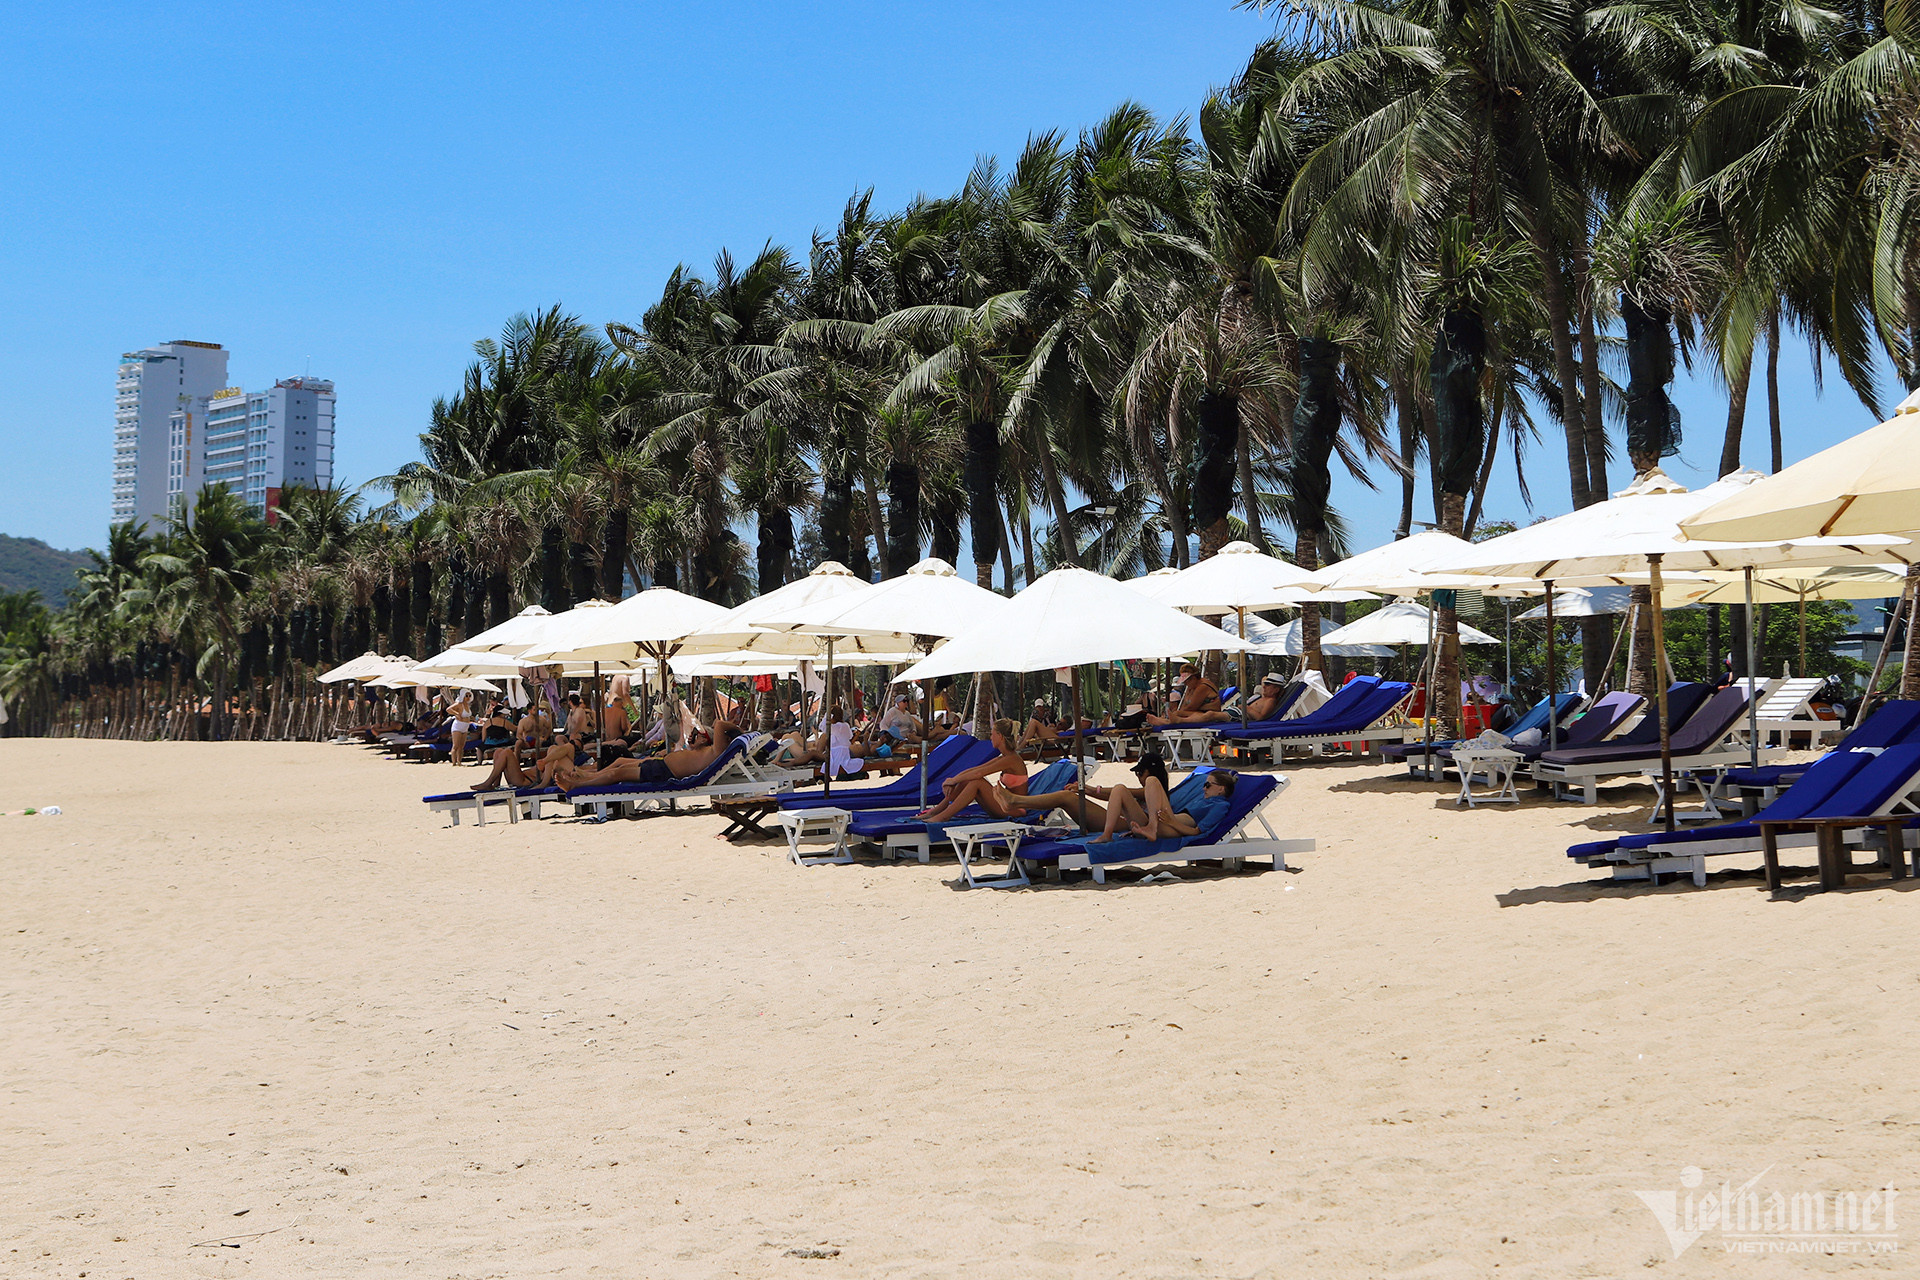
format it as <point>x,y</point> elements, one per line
<point>513,635</point>
<point>648,627</point>
<point>1068,618</point>
<point>367,666</point>
<point>922,606</point>
<point>1284,641</point>
<point>1867,484</point>
<point>1400,622</point>
<point>1638,531</point>
<point>1237,578</point>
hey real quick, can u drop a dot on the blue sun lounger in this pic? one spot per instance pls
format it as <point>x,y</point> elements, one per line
<point>898,830</point>
<point>1416,753</point>
<point>949,756</point>
<point>514,800</point>
<point>731,773</point>
<point>1891,723</point>
<point>1842,784</point>
<point>1702,726</point>
<point>1227,841</point>
<point>1351,715</point>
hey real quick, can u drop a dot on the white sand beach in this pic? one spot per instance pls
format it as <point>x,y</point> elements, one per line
<point>255,995</point>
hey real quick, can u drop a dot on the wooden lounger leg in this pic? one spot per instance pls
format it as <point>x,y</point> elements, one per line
<point>1770,851</point>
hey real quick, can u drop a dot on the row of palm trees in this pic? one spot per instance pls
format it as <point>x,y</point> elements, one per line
<point>1405,234</point>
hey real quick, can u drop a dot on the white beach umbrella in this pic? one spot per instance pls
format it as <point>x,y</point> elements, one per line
<point>1581,602</point>
<point>1283,641</point>
<point>1867,484</point>
<point>643,628</point>
<point>734,630</point>
<point>513,635</point>
<point>367,666</point>
<point>1396,623</point>
<point>922,606</point>
<point>1237,578</point>
<point>1638,531</point>
<point>1069,617</point>
<point>1404,567</point>
<point>1066,618</point>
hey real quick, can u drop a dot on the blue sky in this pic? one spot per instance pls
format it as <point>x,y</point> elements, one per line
<point>362,190</point>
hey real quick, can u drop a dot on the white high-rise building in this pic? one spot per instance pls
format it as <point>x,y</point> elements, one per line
<point>159,411</point>
<point>258,443</point>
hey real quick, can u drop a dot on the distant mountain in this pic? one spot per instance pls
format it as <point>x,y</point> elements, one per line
<point>28,564</point>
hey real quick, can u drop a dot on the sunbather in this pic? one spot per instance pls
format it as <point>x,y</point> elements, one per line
<point>460,718</point>
<point>536,728</point>
<point>1164,822</point>
<point>1272,692</point>
<point>1043,728</point>
<point>972,786</point>
<point>662,768</point>
<point>1198,703</point>
<point>900,725</point>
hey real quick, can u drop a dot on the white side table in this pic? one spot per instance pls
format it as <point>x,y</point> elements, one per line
<point>816,828</point>
<point>968,841</point>
<point>1498,764</point>
<point>1195,742</point>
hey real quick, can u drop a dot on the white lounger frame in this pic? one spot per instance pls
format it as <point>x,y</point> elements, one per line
<point>740,777</point>
<point>1690,858</point>
<point>1728,753</point>
<point>1231,850</point>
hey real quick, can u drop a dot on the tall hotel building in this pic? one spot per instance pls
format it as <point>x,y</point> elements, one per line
<point>178,427</point>
<point>159,405</point>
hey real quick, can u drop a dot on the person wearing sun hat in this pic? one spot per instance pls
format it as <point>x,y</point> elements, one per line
<point>1266,700</point>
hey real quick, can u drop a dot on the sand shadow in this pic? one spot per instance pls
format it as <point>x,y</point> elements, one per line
<point>1802,882</point>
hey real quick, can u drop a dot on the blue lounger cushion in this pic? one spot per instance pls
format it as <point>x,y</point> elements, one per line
<point>878,824</point>
<point>1249,793</point>
<point>1697,717</point>
<point>1340,704</point>
<point>700,779</point>
<point>1891,724</point>
<point>1357,716</point>
<point>1592,726</point>
<point>949,756</point>
<point>503,792</point>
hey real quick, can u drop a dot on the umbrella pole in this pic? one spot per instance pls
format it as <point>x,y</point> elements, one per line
<point>826,713</point>
<point>1553,682</point>
<point>1886,642</point>
<point>1803,633</point>
<point>1753,700</point>
<point>1079,753</point>
<point>1244,691</point>
<point>599,708</point>
<point>1666,730</point>
<point>1431,669</point>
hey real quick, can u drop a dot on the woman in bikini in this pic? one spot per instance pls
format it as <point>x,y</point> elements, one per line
<point>972,786</point>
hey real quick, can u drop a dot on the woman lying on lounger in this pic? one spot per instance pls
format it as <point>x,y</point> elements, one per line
<point>661,768</point>
<point>971,786</point>
<point>1131,806</point>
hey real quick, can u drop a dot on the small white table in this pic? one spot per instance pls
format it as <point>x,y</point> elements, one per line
<point>1196,742</point>
<point>816,828</point>
<point>1498,764</point>
<point>970,840</point>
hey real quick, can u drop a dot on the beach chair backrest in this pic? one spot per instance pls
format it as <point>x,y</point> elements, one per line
<point>1053,777</point>
<point>1335,707</point>
<point>1682,701</point>
<point>1536,716</point>
<point>1601,719</point>
<point>1292,695</point>
<point>1789,698</point>
<point>1817,785</point>
<point>1250,791</point>
<point>1710,723</point>
<point>1879,785</point>
<point>1890,724</point>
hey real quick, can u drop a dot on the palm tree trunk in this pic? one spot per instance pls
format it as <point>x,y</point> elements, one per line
<point>1553,291</point>
<point>877,526</point>
<point>1644,675</point>
<point>580,570</point>
<point>1649,330</point>
<point>773,552</point>
<point>1593,428</point>
<point>1026,552</point>
<point>553,569</point>
<point>1306,554</point>
<point>1480,482</point>
<point>1407,414</point>
<point>613,553</point>
<point>1316,422</point>
<point>498,598</point>
<point>982,481</point>
<point>1460,427</point>
<point>1249,495</point>
<point>903,516</point>
<point>836,513</point>
<point>1213,468</point>
<point>1737,380</point>
<point>1773,389</point>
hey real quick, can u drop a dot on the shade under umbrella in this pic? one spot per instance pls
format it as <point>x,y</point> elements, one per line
<point>1401,622</point>
<point>1868,484</point>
